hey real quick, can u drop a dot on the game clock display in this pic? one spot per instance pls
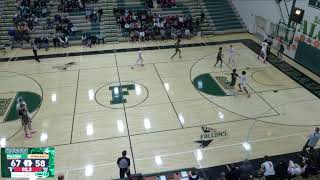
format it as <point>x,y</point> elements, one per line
<point>27,162</point>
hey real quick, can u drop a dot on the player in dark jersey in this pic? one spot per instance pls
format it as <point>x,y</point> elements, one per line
<point>234,76</point>
<point>177,47</point>
<point>219,57</point>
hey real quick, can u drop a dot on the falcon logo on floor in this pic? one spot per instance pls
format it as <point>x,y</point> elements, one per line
<point>209,134</point>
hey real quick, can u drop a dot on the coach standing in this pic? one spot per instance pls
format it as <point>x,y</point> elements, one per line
<point>313,139</point>
<point>124,165</point>
<point>35,51</point>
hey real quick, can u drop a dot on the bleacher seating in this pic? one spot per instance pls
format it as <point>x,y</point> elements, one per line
<point>223,16</point>
<point>220,17</point>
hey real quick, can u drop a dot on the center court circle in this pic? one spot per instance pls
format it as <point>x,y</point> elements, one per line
<point>116,94</point>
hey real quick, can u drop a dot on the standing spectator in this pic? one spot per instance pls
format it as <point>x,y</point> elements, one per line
<point>267,169</point>
<point>202,17</point>
<point>100,13</point>
<point>35,51</point>
<point>187,33</point>
<point>280,49</point>
<point>124,165</point>
<point>312,141</point>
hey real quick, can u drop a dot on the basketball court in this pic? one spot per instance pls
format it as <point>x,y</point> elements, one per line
<point>92,107</point>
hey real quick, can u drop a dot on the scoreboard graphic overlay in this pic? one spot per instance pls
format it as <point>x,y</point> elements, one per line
<point>27,162</point>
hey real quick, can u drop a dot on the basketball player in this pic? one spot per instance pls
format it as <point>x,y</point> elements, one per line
<point>177,47</point>
<point>263,52</point>
<point>232,56</point>
<point>234,76</point>
<point>243,83</point>
<point>219,57</point>
<point>139,59</point>
<point>25,120</point>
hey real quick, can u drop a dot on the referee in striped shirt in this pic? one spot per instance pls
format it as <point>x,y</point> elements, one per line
<point>124,165</point>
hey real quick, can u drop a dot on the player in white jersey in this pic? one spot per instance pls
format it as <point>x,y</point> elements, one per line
<point>139,59</point>
<point>267,169</point>
<point>243,83</point>
<point>263,52</point>
<point>232,56</point>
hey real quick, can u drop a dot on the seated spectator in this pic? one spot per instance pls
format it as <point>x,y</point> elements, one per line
<point>65,20</point>
<point>281,170</point>
<point>100,37</point>
<point>57,18</point>
<point>163,34</point>
<point>295,169</point>
<point>49,23</point>
<point>141,35</point>
<point>64,41</point>
<point>73,30</point>
<point>246,170</point>
<point>93,39</point>
<point>44,12</point>
<point>44,42</point>
<point>193,175</point>
<point>84,39</point>
<point>234,172</point>
<point>56,41</point>
<point>88,13</point>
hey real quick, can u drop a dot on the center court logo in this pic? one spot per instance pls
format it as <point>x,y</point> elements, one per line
<point>116,95</point>
<point>208,135</point>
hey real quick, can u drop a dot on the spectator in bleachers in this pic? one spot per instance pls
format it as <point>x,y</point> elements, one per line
<point>64,41</point>
<point>152,24</point>
<point>88,13</point>
<point>57,18</point>
<point>281,170</point>
<point>73,30</point>
<point>100,13</point>
<point>44,42</point>
<point>295,169</point>
<point>246,170</point>
<point>149,3</point>
<point>56,41</point>
<point>44,12</point>
<point>94,17</point>
<point>193,175</point>
<point>234,172</point>
<point>202,16</point>
<point>100,37</point>
<point>49,23</point>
